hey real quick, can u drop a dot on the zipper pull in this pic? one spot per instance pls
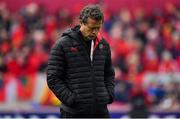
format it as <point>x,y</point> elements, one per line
<point>91,64</point>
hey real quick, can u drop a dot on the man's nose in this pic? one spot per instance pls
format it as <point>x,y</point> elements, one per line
<point>94,31</point>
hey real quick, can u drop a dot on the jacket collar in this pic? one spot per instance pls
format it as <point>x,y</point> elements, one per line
<point>98,39</point>
<point>74,33</point>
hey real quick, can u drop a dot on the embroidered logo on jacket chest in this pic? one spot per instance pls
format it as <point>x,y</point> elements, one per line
<point>74,49</point>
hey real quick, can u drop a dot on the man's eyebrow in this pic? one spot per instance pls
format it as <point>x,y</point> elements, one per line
<point>95,27</point>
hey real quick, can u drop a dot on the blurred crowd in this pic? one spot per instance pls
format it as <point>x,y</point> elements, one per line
<point>145,51</point>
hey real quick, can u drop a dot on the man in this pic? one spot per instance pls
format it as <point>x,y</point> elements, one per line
<point>79,71</point>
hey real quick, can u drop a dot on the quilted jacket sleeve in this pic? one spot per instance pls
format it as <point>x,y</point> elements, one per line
<point>56,74</point>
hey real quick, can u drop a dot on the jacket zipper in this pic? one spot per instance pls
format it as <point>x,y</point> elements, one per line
<point>92,72</point>
<point>94,87</point>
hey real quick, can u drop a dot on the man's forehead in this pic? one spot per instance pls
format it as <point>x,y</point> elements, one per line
<point>93,22</point>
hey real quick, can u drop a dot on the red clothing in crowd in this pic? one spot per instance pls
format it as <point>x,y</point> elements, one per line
<point>14,68</point>
<point>18,35</point>
<point>168,66</point>
<point>137,90</point>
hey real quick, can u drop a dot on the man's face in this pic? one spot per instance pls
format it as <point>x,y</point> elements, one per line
<point>90,29</point>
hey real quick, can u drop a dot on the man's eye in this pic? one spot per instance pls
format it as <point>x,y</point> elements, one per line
<point>91,28</point>
<point>94,29</point>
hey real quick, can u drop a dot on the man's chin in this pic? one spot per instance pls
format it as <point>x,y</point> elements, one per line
<point>90,38</point>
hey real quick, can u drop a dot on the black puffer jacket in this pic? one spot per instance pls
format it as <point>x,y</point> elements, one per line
<point>76,81</point>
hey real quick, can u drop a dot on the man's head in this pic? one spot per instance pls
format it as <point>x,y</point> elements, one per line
<point>91,20</point>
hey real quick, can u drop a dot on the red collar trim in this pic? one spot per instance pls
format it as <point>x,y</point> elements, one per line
<point>98,39</point>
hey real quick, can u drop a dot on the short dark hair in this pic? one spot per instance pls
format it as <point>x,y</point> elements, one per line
<point>92,11</point>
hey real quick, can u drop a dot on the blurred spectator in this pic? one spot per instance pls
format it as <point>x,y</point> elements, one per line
<point>122,90</point>
<point>2,88</point>
<point>170,103</point>
<point>168,64</point>
<point>140,102</point>
<point>32,17</point>
<point>158,92</point>
<point>150,60</point>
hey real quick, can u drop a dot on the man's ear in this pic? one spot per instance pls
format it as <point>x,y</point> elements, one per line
<point>80,21</point>
<point>81,24</point>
